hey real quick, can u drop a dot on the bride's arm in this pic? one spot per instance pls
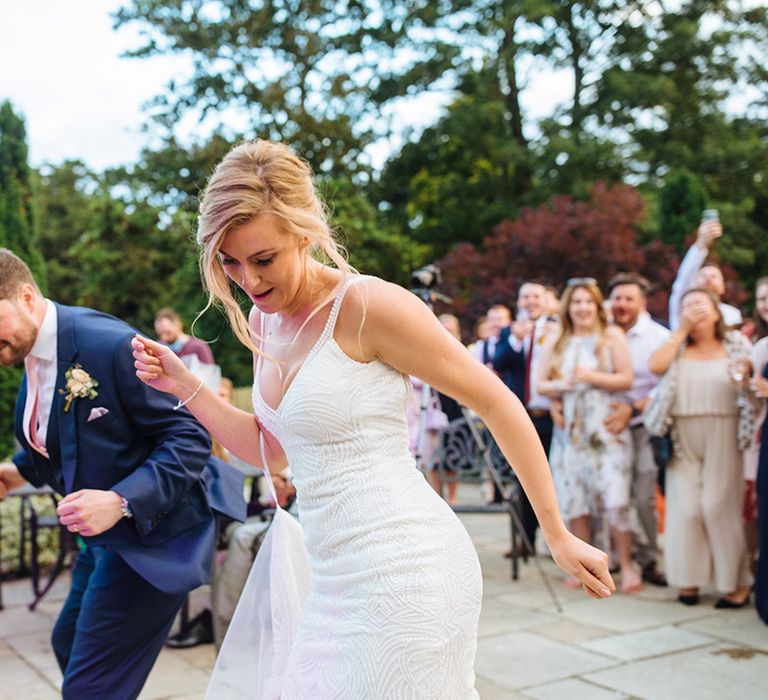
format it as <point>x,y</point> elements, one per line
<point>159,367</point>
<point>399,329</point>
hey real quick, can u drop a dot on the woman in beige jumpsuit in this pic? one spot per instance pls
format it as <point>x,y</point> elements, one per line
<point>704,534</point>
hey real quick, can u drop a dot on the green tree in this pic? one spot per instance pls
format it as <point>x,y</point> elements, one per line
<point>681,201</point>
<point>64,201</point>
<point>672,102</point>
<point>17,216</point>
<point>458,179</point>
<point>17,233</point>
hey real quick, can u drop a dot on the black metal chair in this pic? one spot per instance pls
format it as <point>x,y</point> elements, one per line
<point>466,453</point>
<point>32,522</point>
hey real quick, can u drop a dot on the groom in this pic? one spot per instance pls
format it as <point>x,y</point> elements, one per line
<point>138,484</point>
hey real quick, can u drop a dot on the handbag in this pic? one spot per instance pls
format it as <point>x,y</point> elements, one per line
<point>657,417</point>
<point>436,418</point>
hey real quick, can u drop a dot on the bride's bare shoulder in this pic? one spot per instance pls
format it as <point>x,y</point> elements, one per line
<point>373,306</point>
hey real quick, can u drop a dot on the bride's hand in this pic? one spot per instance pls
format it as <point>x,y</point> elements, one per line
<point>586,563</point>
<point>159,367</point>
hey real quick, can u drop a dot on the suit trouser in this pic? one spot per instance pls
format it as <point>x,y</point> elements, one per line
<point>543,425</point>
<point>111,628</point>
<point>644,474</point>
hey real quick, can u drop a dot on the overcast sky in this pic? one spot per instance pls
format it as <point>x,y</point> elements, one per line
<point>60,66</point>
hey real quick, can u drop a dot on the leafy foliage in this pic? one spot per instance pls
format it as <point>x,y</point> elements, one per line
<point>681,202</point>
<point>557,240</point>
<point>17,233</point>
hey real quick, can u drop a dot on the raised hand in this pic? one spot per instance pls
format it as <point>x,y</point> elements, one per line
<point>586,563</point>
<point>708,232</point>
<point>159,367</point>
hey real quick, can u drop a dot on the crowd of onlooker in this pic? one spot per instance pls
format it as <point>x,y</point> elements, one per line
<point>635,413</point>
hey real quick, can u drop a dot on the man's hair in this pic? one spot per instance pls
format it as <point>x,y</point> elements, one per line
<point>168,314</point>
<point>532,282</point>
<point>499,307</point>
<point>13,273</point>
<point>630,278</point>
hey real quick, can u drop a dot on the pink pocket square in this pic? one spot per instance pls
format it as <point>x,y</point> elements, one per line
<point>97,413</point>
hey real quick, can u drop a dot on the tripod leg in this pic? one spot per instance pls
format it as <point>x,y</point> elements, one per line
<point>485,450</point>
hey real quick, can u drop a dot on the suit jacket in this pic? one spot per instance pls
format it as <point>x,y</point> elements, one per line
<point>157,458</point>
<point>510,364</point>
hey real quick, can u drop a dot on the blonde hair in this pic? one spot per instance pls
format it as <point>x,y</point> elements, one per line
<point>566,326</point>
<point>257,178</point>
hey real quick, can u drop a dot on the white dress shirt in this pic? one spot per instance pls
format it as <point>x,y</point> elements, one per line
<point>45,352</point>
<point>536,401</point>
<point>644,338</point>
<point>478,348</point>
<point>686,279</point>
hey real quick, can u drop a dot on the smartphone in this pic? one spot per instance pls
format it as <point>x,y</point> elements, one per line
<point>710,215</point>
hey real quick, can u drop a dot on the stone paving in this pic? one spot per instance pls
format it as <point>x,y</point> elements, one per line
<point>644,645</point>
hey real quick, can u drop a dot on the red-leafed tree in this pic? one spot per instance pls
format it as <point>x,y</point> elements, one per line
<point>560,239</point>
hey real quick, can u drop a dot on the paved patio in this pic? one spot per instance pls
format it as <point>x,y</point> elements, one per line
<point>641,646</point>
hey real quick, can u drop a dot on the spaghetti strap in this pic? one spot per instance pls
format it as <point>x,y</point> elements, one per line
<point>330,324</point>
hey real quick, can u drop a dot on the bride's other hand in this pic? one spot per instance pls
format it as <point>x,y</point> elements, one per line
<point>586,563</point>
<point>159,367</point>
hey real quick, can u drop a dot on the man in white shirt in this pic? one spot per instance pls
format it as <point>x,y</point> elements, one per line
<point>627,296</point>
<point>497,318</point>
<point>517,359</point>
<point>693,272</point>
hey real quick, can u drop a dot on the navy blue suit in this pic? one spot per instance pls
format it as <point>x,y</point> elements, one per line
<point>511,366</point>
<point>129,582</point>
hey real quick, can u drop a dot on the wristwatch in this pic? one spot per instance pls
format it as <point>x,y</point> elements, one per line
<point>125,507</point>
<point>635,410</point>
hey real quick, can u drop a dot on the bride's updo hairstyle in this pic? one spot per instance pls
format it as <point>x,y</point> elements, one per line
<point>257,178</point>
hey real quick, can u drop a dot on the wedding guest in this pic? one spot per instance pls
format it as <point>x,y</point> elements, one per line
<point>499,316</point>
<point>759,386</point>
<point>702,400</point>
<point>551,301</point>
<point>627,293</point>
<point>587,365</point>
<point>757,331</point>
<point>136,477</point>
<point>479,336</point>
<point>517,359</point>
<point>453,411</point>
<point>761,310</point>
<point>170,330</point>
<point>695,272</point>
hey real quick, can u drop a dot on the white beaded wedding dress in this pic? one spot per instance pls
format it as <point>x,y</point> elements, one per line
<point>380,597</point>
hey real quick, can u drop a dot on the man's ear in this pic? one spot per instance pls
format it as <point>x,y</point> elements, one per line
<point>28,296</point>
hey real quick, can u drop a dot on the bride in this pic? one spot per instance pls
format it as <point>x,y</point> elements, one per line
<point>392,601</point>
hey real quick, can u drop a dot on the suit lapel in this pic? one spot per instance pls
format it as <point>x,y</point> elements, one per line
<point>66,421</point>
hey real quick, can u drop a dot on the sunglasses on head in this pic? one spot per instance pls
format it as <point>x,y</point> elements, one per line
<point>581,281</point>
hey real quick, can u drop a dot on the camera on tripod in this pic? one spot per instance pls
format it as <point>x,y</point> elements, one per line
<point>424,282</point>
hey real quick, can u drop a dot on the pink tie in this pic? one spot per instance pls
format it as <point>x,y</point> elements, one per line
<point>30,364</point>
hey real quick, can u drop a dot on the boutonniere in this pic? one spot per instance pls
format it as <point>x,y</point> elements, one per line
<point>80,385</point>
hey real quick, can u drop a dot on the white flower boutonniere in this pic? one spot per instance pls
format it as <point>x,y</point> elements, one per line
<point>80,385</point>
